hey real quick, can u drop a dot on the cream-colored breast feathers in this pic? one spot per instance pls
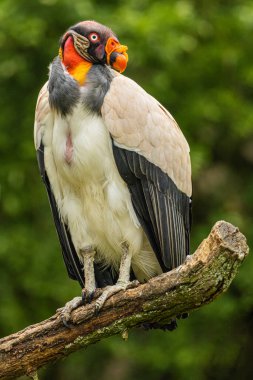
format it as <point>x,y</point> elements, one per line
<point>140,123</point>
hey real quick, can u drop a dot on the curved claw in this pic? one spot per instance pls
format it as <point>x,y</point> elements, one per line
<point>66,323</point>
<point>88,296</point>
<point>65,312</point>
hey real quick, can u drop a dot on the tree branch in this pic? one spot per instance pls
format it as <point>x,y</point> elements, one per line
<point>204,275</point>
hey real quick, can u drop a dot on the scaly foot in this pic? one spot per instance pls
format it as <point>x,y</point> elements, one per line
<point>88,254</point>
<point>111,290</point>
<point>65,311</point>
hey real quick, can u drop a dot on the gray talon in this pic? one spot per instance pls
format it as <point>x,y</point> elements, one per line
<point>65,312</point>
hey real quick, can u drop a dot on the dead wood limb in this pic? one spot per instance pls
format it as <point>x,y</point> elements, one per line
<point>204,275</point>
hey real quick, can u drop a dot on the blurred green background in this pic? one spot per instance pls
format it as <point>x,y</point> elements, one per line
<point>196,58</point>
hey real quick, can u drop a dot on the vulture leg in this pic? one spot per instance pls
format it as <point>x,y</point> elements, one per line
<point>123,281</point>
<point>88,292</point>
<point>90,284</point>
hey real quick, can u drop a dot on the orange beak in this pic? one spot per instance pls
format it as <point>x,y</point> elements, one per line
<point>116,55</point>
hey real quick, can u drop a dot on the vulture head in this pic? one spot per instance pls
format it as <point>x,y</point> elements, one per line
<point>89,41</point>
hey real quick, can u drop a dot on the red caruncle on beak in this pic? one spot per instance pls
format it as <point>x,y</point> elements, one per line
<point>116,55</point>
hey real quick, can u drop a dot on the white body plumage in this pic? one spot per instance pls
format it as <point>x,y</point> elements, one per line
<point>92,198</point>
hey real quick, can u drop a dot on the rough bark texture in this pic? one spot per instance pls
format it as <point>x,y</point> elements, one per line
<point>204,275</point>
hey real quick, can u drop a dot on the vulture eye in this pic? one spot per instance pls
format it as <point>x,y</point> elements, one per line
<point>94,37</point>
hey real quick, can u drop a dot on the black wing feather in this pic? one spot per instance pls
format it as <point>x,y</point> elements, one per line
<point>162,209</point>
<point>104,276</point>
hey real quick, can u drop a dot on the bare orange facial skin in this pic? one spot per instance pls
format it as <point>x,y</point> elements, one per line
<point>116,55</point>
<point>74,63</point>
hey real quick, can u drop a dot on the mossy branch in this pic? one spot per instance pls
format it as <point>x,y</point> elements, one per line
<point>205,274</point>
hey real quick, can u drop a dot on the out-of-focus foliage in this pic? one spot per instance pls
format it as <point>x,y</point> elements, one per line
<point>196,57</point>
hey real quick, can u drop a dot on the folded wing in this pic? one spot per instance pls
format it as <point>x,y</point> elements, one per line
<point>152,157</point>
